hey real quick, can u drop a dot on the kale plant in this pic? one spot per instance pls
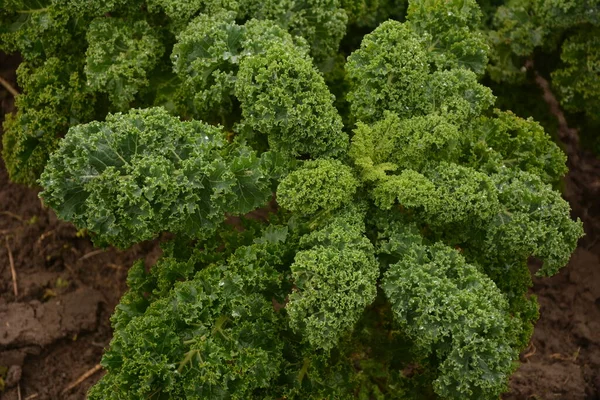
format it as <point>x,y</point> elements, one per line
<point>371,245</point>
<point>562,38</point>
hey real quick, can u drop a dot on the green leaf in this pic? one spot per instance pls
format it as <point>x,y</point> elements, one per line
<point>119,58</point>
<point>138,174</point>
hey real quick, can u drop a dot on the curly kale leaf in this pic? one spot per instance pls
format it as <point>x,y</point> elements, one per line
<point>40,29</point>
<point>520,215</point>
<point>322,23</point>
<point>578,81</point>
<point>206,58</point>
<point>391,72</point>
<point>214,336</point>
<point>449,32</point>
<point>54,99</point>
<point>489,145</point>
<point>120,55</point>
<point>180,262</point>
<point>285,98</point>
<point>507,141</point>
<point>321,184</point>
<point>535,221</point>
<point>447,194</point>
<point>138,174</point>
<point>388,72</point>
<point>457,95</point>
<point>394,143</point>
<point>96,8</point>
<point>180,12</point>
<point>225,66</point>
<point>335,279</point>
<point>457,315</point>
<point>527,24</point>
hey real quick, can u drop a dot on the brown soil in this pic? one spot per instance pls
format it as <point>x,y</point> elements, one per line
<point>55,329</point>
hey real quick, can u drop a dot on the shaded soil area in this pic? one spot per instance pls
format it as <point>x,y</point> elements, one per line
<point>54,329</point>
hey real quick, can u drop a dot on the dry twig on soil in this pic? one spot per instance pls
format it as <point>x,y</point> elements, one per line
<point>13,272</point>
<point>82,378</point>
<point>572,358</point>
<point>91,254</point>
<point>43,236</point>
<point>8,87</point>
<point>530,352</point>
<point>11,214</point>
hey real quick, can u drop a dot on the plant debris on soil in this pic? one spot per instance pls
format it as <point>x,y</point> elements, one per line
<point>52,334</point>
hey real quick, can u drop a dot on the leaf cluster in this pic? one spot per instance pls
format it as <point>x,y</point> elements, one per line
<point>115,55</point>
<point>560,37</point>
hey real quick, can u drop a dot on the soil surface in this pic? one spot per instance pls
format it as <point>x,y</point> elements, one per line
<point>54,330</point>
